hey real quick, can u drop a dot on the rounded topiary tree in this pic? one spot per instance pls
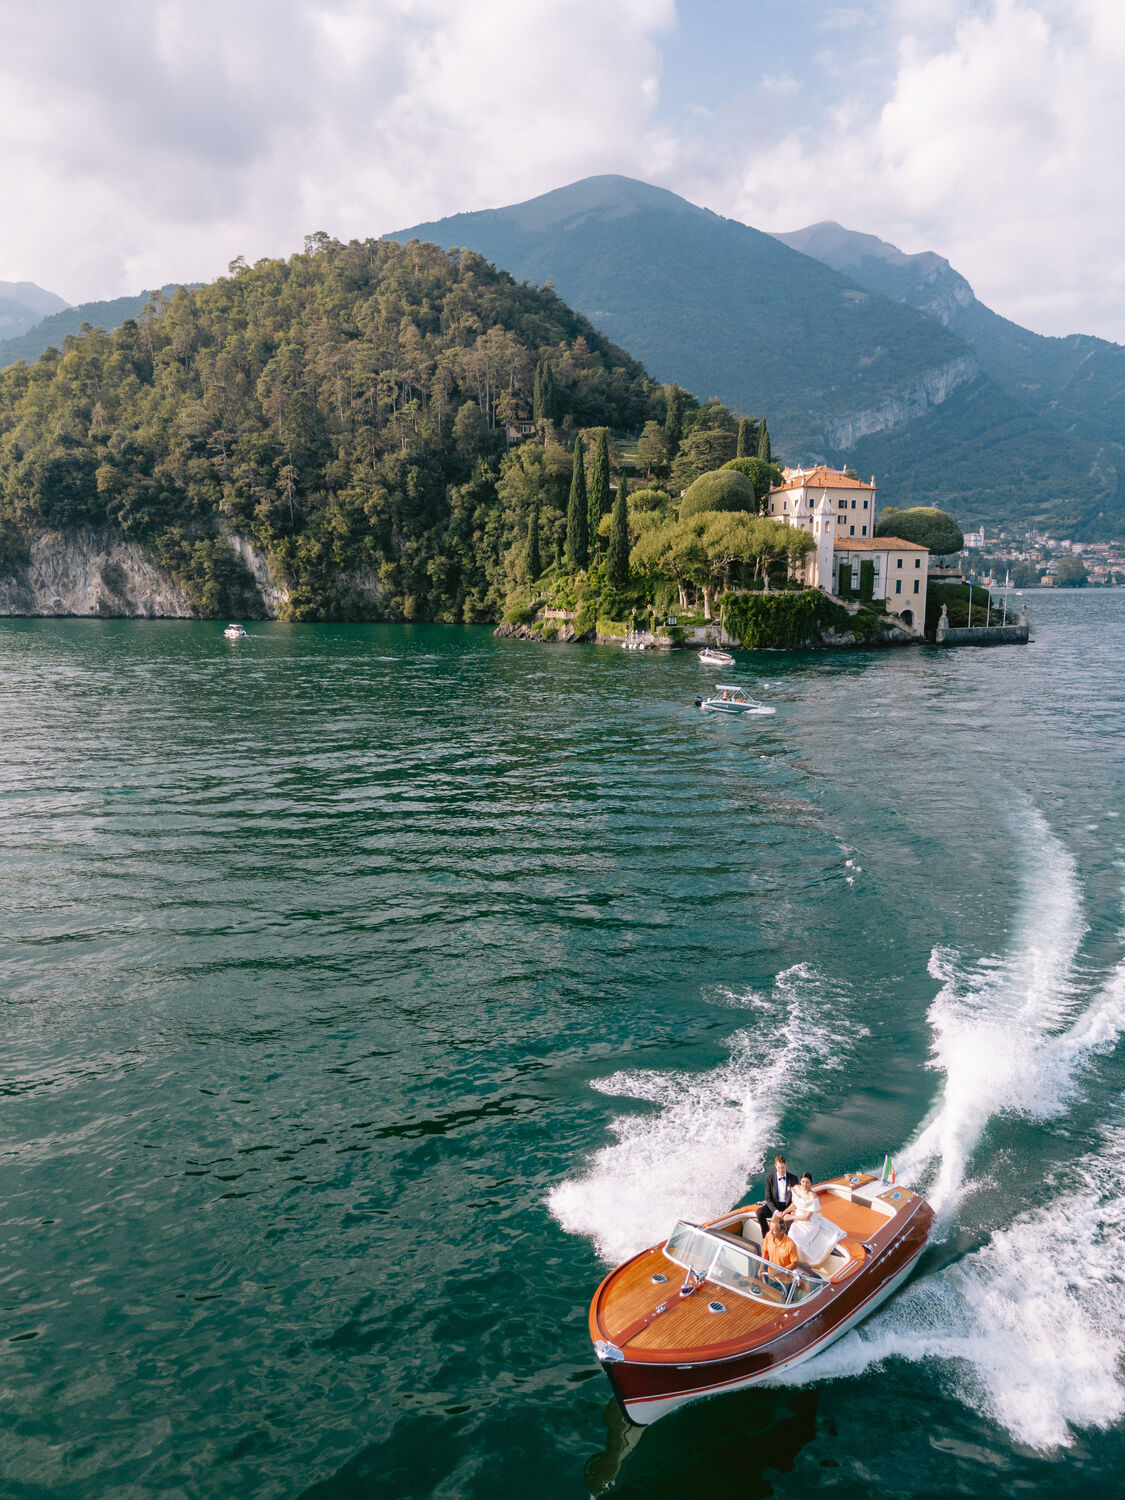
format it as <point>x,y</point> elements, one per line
<point>762,476</point>
<point>923,524</point>
<point>721,489</point>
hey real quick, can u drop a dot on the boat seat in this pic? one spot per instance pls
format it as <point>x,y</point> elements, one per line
<point>845,1257</point>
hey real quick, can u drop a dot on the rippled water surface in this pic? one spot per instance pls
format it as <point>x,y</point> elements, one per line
<point>368,989</point>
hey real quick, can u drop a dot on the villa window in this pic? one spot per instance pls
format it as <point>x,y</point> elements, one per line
<point>900,562</point>
<point>898,585</point>
<point>865,531</point>
<point>851,531</point>
<point>917,581</point>
<point>865,505</point>
<point>853,505</point>
<point>917,562</point>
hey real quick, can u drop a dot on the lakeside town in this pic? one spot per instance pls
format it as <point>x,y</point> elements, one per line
<point>1037,559</point>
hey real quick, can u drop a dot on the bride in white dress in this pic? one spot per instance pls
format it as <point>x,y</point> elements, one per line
<point>813,1235</point>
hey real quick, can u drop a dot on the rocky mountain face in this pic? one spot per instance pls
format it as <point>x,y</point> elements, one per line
<point>97,574</point>
<point>1077,382</point>
<point>924,281</point>
<point>854,351</point>
<point>89,573</point>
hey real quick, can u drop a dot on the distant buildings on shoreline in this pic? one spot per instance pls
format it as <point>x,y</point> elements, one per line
<point>1034,558</point>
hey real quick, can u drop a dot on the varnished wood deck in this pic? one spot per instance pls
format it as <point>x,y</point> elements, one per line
<point>687,1324</point>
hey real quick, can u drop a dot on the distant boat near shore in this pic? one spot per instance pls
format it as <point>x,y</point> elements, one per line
<point>234,632</point>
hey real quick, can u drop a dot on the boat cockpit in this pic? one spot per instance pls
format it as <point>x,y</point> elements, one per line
<point>726,1260</point>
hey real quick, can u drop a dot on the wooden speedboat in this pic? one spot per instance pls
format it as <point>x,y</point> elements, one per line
<point>727,699</point>
<point>703,1313</point>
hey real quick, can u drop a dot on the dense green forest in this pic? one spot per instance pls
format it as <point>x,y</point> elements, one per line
<point>351,411</point>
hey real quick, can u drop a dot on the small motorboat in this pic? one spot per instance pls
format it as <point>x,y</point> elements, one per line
<point>704,1313</point>
<point>711,656</point>
<point>234,632</point>
<point>731,700</point>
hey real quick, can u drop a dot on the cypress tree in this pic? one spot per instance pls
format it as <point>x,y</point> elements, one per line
<point>745,438</point>
<point>764,442</point>
<point>599,487</point>
<point>577,518</point>
<point>617,562</point>
<point>533,563</point>
<point>674,420</point>
<point>543,398</point>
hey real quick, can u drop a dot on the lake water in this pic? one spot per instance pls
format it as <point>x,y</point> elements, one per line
<point>368,989</point>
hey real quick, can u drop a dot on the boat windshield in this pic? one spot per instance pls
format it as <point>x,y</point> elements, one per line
<point>739,1268</point>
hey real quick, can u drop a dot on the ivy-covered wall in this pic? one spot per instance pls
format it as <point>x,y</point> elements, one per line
<point>790,621</point>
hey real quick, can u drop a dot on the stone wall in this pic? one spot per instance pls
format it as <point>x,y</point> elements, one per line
<point>984,635</point>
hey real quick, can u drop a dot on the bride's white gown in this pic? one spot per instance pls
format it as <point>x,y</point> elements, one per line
<point>815,1236</point>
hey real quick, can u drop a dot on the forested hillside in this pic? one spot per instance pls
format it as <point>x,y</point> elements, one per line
<point>48,330</point>
<point>344,410</point>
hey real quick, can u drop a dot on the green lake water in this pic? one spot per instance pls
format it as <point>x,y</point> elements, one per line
<point>367,990</point>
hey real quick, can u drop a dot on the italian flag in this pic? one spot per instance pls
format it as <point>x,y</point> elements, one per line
<point>888,1170</point>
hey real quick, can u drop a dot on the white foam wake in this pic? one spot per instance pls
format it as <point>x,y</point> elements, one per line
<point>994,1022</point>
<point>1033,1323</point>
<point>690,1158</point>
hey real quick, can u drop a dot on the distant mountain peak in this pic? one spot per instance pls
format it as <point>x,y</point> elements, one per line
<point>925,280</point>
<point>22,304</point>
<point>608,196</point>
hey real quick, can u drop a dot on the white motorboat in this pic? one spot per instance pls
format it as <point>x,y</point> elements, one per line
<point>711,656</point>
<point>234,632</point>
<point>727,699</point>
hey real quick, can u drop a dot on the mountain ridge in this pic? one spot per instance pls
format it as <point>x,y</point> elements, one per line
<point>844,371</point>
<point>1077,380</point>
<point>50,331</point>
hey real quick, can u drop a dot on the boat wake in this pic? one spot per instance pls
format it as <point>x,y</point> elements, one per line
<point>993,1021</point>
<point>1029,1329</point>
<point>1033,1323</point>
<point>691,1158</point>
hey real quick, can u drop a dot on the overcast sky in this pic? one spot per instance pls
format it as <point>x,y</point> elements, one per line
<point>146,141</point>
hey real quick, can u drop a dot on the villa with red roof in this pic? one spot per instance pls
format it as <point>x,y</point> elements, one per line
<point>839,510</point>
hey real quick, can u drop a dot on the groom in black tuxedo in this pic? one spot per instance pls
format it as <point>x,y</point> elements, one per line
<point>779,1193</point>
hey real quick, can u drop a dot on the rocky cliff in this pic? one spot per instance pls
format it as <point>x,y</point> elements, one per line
<point>90,573</point>
<point>934,387</point>
<point>100,574</point>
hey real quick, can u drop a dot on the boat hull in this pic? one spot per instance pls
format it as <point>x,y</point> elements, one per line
<point>647,1390</point>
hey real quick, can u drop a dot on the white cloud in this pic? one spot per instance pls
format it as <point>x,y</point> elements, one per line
<point>993,140</point>
<point>147,141</point>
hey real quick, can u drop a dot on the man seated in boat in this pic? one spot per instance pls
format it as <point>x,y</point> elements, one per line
<point>778,1248</point>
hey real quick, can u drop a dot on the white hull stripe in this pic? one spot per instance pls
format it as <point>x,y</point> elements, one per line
<point>648,1408</point>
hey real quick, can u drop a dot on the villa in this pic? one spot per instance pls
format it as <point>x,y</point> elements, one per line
<point>839,511</point>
